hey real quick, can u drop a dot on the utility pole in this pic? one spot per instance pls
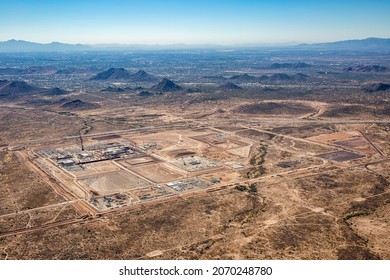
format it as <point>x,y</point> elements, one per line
<point>81,141</point>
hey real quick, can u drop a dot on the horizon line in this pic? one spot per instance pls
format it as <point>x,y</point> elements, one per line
<point>289,43</point>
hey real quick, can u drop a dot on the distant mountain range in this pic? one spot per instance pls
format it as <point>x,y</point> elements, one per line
<point>369,44</point>
<point>25,46</point>
<point>368,68</point>
<point>297,65</point>
<point>245,78</point>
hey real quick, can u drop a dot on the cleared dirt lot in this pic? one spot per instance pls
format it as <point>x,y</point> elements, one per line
<point>121,181</point>
<point>96,168</point>
<point>158,172</point>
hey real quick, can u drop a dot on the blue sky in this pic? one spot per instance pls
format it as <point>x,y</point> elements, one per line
<point>192,21</point>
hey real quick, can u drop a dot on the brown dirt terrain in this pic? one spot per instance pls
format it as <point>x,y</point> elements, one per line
<point>282,220</point>
<point>254,134</point>
<point>305,209</point>
<point>374,228</point>
<point>23,124</point>
<point>304,130</point>
<point>337,111</point>
<point>274,108</point>
<point>20,188</point>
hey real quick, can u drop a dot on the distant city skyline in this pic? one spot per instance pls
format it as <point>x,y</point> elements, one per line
<point>192,22</point>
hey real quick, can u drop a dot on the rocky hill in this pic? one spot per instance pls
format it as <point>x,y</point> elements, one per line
<point>142,76</point>
<point>229,86</point>
<point>166,85</point>
<point>368,68</point>
<point>56,91</point>
<point>121,74</point>
<point>243,78</point>
<point>377,87</point>
<point>112,74</point>
<point>79,105</point>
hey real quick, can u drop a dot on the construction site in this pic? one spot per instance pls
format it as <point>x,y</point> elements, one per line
<point>114,172</point>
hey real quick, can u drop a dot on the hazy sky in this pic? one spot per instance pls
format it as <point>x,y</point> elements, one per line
<point>192,21</point>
